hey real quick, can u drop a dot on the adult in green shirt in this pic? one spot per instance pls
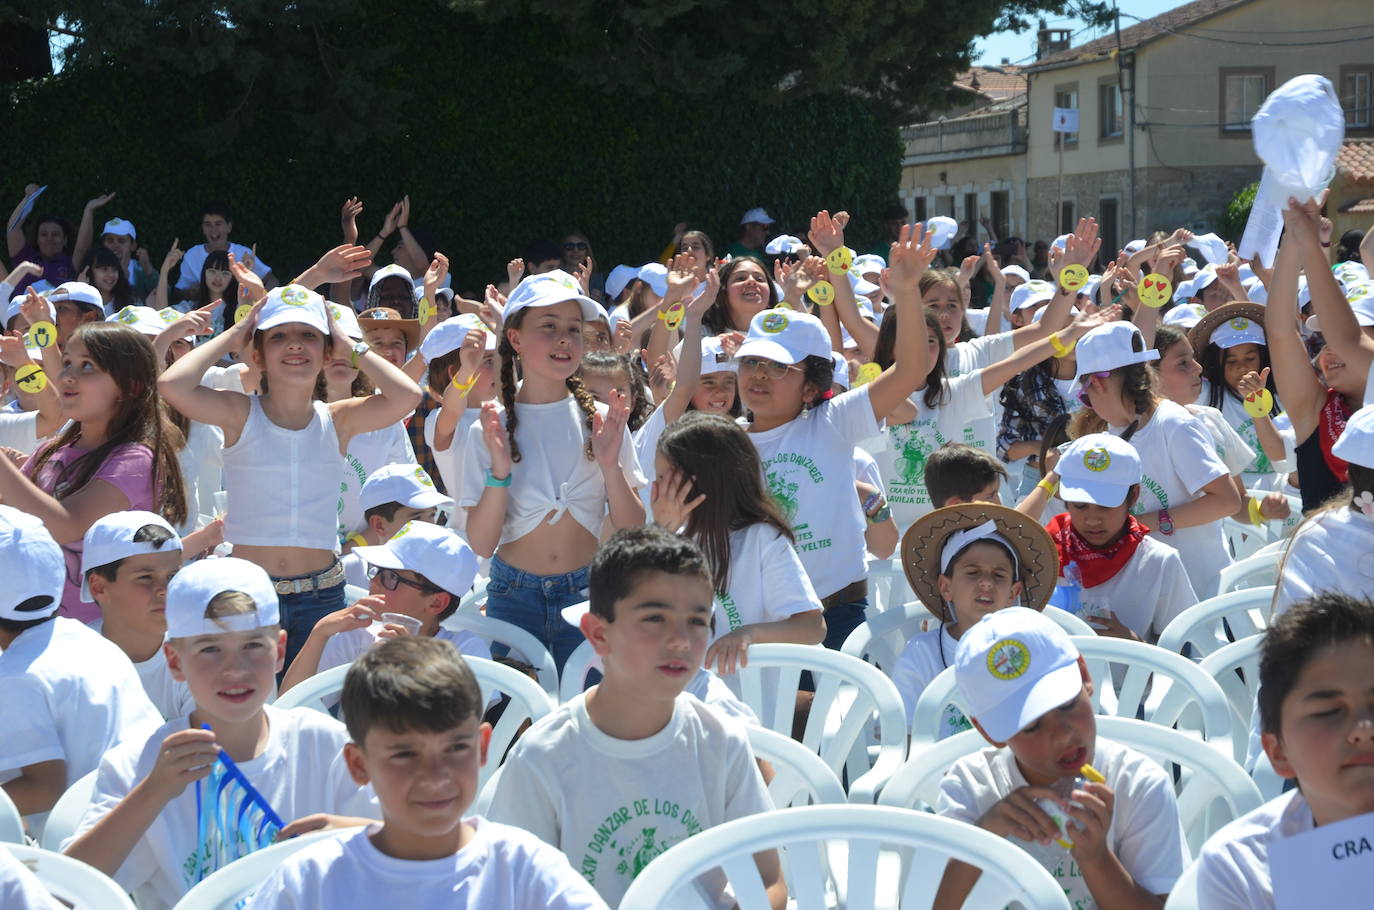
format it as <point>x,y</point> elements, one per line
<point>753,234</point>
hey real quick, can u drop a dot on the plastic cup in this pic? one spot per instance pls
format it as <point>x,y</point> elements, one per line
<point>409,623</point>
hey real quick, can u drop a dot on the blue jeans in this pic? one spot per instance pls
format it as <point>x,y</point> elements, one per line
<point>300,612</point>
<point>534,603</point>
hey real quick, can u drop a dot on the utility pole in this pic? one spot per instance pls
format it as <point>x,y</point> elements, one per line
<point>1128,100</point>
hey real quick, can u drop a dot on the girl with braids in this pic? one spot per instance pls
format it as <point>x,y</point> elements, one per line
<point>542,468</point>
<point>1185,488</point>
<point>118,453</point>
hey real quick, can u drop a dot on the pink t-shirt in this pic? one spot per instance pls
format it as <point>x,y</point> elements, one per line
<point>130,469</point>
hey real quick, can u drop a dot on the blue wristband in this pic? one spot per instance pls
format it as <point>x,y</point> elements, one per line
<point>497,482</point>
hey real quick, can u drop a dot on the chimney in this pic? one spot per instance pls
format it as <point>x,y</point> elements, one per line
<point>1051,40</point>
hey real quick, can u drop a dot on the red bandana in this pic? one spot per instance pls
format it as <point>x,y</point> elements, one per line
<point>1330,425</point>
<point>1095,564</point>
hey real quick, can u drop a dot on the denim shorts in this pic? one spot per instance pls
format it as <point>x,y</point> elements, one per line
<point>534,603</point>
<point>300,612</point>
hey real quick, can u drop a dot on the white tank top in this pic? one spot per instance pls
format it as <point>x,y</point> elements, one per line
<point>283,485</point>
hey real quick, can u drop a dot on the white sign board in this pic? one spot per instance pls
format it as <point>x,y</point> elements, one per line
<point>1335,861</point>
<point>1066,120</point>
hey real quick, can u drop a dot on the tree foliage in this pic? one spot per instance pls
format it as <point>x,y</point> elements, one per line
<point>1238,211</point>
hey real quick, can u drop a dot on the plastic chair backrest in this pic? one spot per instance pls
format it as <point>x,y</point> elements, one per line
<point>1252,572</point>
<point>226,886</point>
<point>1203,777</point>
<point>839,727</point>
<point>517,639</point>
<point>528,702</point>
<point>1159,686</point>
<point>1067,621</point>
<point>472,601</point>
<point>805,835</point>
<point>887,585</point>
<point>881,638</point>
<point>574,677</point>
<point>1266,778</point>
<point>80,886</point>
<point>313,693</point>
<point>11,822</point>
<point>1243,540</point>
<point>927,717</point>
<point>1217,621</point>
<point>66,813</point>
<point>799,775</point>
<point>1235,667</point>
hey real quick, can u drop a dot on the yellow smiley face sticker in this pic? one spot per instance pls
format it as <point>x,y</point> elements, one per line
<point>1259,404</point>
<point>241,313</point>
<point>867,373</point>
<point>31,379</point>
<point>673,316</point>
<point>1155,290</point>
<point>1073,276</point>
<point>43,334</point>
<point>1008,659</point>
<point>425,309</point>
<point>782,305</point>
<point>822,292</point>
<point>840,259</point>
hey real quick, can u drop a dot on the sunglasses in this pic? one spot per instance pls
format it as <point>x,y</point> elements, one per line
<point>1083,393</point>
<point>390,578</point>
<point>770,368</point>
<point>575,245</point>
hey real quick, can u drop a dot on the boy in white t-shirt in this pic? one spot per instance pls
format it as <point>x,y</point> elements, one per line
<point>420,574</point>
<point>1030,695</point>
<point>957,473</point>
<point>1316,706</point>
<point>393,495</point>
<point>634,765</point>
<point>216,221</point>
<point>1123,582</point>
<point>68,693</point>
<point>127,561</point>
<point>415,722</point>
<point>155,824</point>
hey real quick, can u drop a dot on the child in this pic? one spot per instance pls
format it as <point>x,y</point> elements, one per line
<point>146,826</point>
<point>393,495</point>
<point>69,694</point>
<point>957,473</point>
<point>543,467</point>
<point>216,221</point>
<point>1316,665</point>
<point>1127,584</point>
<point>710,483</point>
<point>127,561</point>
<point>416,735</point>
<point>666,765</point>
<point>422,572</point>
<point>1030,696</point>
<point>461,359</point>
<point>965,562</point>
<point>118,451</point>
<point>75,303</point>
<point>284,449</point>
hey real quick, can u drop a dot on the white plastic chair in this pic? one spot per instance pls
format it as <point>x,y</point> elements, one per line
<point>225,887</point>
<point>1266,778</point>
<point>1203,777</point>
<point>887,585</point>
<point>472,601</point>
<point>1068,621</point>
<point>839,727</point>
<point>927,716</point>
<point>574,677</point>
<point>1235,667</point>
<point>805,833</point>
<point>1255,571</point>
<point>800,777</point>
<point>522,643</point>
<point>11,822</point>
<point>1243,539</point>
<point>528,702</point>
<point>1217,621</point>
<point>66,813</point>
<point>881,638</point>
<point>71,881</point>
<point>1184,894</point>
<point>316,693</point>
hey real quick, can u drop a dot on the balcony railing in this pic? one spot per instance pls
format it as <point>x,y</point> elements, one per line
<point>976,136</point>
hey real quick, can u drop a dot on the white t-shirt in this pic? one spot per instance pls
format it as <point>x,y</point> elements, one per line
<point>20,889</point>
<point>170,697</point>
<point>1150,590</point>
<point>1334,551</point>
<point>450,461</point>
<point>1233,451</point>
<point>193,262</point>
<point>1260,474</point>
<point>19,430</point>
<point>646,448</point>
<point>1177,459</point>
<point>925,657</point>
<point>711,689</point>
<point>904,448</point>
<point>229,378</point>
<point>366,453</point>
<point>980,353</point>
<point>206,442</point>
<point>554,475</point>
<point>1145,833</point>
<point>501,868</point>
<point>69,695</point>
<point>1233,867</point>
<point>301,771</point>
<point>808,466</point>
<point>767,581</point>
<point>346,647</point>
<point>649,794</point>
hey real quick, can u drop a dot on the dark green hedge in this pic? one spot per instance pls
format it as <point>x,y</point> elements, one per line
<point>493,152</point>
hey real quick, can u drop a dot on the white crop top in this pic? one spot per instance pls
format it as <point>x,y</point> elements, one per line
<point>283,485</point>
<point>554,475</point>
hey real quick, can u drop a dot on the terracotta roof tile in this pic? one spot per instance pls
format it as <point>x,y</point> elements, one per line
<point>1364,206</point>
<point>1175,19</point>
<point>1356,160</point>
<point>994,84</point>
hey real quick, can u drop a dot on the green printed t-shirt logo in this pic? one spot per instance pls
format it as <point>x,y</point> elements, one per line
<point>784,493</point>
<point>631,836</point>
<point>913,447</point>
<point>1262,463</point>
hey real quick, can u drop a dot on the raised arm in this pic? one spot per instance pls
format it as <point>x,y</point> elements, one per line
<point>397,394</point>
<point>1300,390</point>
<point>911,255</point>
<point>826,236</point>
<point>689,364</point>
<point>1079,249</point>
<point>50,418</point>
<point>15,234</point>
<point>1339,326</point>
<point>997,303</point>
<point>169,262</point>
<point>84,234</point>
<point>999,374</point>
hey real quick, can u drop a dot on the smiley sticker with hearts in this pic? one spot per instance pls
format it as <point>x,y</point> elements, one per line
<point>822,292</point>
<point>840,259</point>
<point>1155,290</point>
<point>867,373</point>
<point>1073,276</point>
<point>1259,404</point>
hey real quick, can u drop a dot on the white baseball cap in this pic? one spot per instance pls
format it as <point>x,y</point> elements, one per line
<point>12,308</point>
<point>1256,292</point>
<point>389,271</point>
<point>77,292</point>
<point>1356,443</point>
<point>1099,469</point>
<point>782,245</point>
<point>1135,246</point>
<point>868,264</point>
<point>119,227</point>
<point>1360,296</point>
<point>1186,315</point>
<point>549,289</point>
<point>202,581</point>
<point>755,216</point>
<point>448,336</point>
<point>620,276</point>
<point>437,553</point>
<point>112,538</point>
<point>293,303</point>
<point>1032,293</point>
<point>32,565</point>
<point>347,320</point>
<point>1237,331</point>
<point>1184,291</point>
<point>942,229</point>
<point>714,357</point>
<point>1348,273</point>
<point>655,275</point>
<point>142,319</point>
<point>785,336</point>
<point>1015,271</point>
<point>1109,347</point>
<point>840,370</point>
<point>1297,133</point>
<point>1204,278</point>
<point>861,285</point>
<point>1212,248</point>
<point>407,484</point>
<point>1061,242</point>
<point>1014,666</point>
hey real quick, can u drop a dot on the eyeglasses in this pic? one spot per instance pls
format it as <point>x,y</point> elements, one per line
<point>390,578</point>
<point>217,273</point>
<point>1083,392</point>
<point>575,245</point>
<point>770,368</point>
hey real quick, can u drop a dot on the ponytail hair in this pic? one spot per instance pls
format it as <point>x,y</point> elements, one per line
<point>609,363</point>
<point>584,398</point>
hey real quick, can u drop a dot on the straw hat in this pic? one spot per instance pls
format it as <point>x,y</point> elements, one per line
<point>1036,556</point>
<point>1201,334</point>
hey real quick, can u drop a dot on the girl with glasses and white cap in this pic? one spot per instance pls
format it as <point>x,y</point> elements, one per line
<point>1185,488</point>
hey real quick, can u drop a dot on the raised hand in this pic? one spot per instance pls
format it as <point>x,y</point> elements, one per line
<point>343,263</point>
<point>671,499</point>
<point>13,353</point>
<point>494,438</point>
<point>348,218</point>
<point>702,302</point>
<point>583,274</point>
<point>435,275</point>
<point>1081,246</point>
<point>515,270</point>
<point>100,201</point>
<point>1253,383</point>
<point>250,285</point>
<point>908,260</point>
<point>990,266</point>
<point>389,222</point>
<point>24,270</point>
<point>173,255</point>
<point>403,219</point>
<point>968,268</point>
<point>827,232</point>
<point>681,279</point>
